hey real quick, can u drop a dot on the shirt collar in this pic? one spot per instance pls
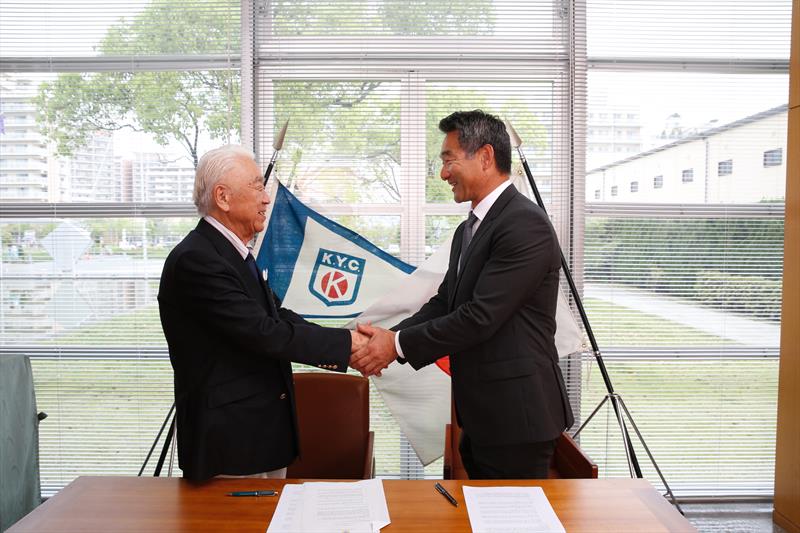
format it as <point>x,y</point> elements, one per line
<point>228,234</point>
<point>484,205</point>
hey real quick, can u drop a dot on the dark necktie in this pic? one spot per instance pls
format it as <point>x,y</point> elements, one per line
<point>250,261</point>
<point>466,236</point>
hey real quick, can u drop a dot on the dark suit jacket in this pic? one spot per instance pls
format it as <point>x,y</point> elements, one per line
<point>496,320</point>
<point>231,357</point>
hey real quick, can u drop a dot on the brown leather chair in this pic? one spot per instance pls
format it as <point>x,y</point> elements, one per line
<point>333,420</point>
<point>568,462</point>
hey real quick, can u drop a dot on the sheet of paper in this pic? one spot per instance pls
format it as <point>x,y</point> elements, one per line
<point>329,507</point>
<point>288,514</point>
<point>341,506</point>
<point>510,510</point>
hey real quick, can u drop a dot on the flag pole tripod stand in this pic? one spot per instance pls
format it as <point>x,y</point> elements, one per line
<point>169,445</point>
<point>620,410</point>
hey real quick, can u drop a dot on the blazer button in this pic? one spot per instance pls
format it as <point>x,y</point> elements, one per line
<point>334,367</point>
<point>282,396</point>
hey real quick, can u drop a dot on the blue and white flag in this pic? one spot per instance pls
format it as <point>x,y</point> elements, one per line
<point>319,268</point>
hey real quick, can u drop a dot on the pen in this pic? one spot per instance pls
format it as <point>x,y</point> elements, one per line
<point>254,493</point>
<point>446,494</point>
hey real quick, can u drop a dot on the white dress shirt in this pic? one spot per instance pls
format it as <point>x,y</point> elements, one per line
<point>228,234</point>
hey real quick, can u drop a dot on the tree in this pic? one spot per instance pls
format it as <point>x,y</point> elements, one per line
<point>170,105</point>
<point>335,117</point>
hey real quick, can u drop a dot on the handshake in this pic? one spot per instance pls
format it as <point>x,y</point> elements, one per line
<point>372,349</point>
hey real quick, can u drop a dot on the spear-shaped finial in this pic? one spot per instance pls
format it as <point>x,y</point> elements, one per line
<point>277,144</point>
<point>516,142</point>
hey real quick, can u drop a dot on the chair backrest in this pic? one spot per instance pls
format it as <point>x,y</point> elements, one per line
<point>19,440</point>
<point>333,420</point>
<point>569,461</point>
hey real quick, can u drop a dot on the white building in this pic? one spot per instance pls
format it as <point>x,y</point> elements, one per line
<point>613,130</point>
<point>155,178</point>
<point>91,174</point>
<point>26,171</point>
<point>740,162</point>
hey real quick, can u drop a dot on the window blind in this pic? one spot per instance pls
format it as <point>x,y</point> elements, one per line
<point>104,107</point>
<point>97,122</point>
<point>364,85</point>
<point>682,272</point>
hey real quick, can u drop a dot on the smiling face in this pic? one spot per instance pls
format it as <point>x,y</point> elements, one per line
<point>241,199</point>
<point>465,174</point>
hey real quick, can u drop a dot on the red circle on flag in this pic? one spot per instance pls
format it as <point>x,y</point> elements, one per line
<point>334,284</point>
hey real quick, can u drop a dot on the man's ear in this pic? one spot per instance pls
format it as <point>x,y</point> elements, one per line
<point>486,154</point>
<point>221,196</point>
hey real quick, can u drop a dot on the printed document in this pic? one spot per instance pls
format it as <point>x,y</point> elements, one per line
<point>354,507</point>
<point>510,510</point>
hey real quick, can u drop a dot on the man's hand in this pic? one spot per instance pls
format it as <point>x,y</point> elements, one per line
<point>357,341</point>
<point>377,354</point>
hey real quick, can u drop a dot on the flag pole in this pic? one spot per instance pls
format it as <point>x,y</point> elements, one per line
<point>615,399</point>
<point>277,145</point>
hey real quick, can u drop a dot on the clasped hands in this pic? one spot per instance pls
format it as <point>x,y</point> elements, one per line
<point>372,349</point>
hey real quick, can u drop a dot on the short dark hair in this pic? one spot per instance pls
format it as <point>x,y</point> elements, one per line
<point>476,128</point>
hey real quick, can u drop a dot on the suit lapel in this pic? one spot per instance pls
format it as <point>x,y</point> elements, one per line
<point>483,230</point>
<point>255,288</point>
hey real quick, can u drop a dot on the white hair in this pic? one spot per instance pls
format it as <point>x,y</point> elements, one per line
<point>212,167</point>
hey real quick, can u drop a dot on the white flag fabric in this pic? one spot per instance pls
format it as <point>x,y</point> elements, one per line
<point>320,269</point>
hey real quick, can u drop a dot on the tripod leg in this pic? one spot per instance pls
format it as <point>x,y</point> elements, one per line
<point>599,405</point>
<point>153,447</point>
<point>167,441</point>
<point>625,436</point>
<point>630,452</point>
<point>172,450</point>
<point>650,455</point>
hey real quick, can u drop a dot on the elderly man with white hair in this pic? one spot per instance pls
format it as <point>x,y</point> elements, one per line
<point>231,343</point>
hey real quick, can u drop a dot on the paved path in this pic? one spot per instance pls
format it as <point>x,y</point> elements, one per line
<point>733,326</point>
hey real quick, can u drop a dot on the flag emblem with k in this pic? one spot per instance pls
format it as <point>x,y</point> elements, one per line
<point>336,277</point>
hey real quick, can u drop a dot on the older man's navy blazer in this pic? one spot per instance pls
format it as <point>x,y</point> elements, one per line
<point>496,320</point>
<point>231,349</point>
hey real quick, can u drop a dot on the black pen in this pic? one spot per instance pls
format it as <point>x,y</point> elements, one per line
<point>254,493</point>
<point>443,492</point>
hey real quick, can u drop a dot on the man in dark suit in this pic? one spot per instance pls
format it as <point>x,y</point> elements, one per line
<point>494,313</point>
<point>230,341</point>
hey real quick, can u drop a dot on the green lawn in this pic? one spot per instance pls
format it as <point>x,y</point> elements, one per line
<point>615,325</point>
<point>709,418</point>
<point>697,415</point>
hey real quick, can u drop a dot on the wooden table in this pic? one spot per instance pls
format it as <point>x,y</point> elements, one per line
<point>105,504</point>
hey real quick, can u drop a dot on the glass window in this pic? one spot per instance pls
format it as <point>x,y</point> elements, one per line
<point>365,85</point>
<point>773,158</point>
<point>695,76</point>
